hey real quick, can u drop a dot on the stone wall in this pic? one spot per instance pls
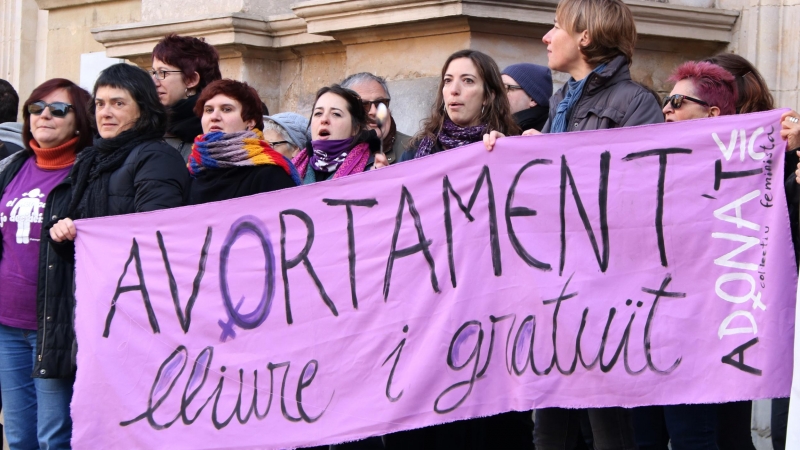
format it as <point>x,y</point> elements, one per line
<point>288,51</point>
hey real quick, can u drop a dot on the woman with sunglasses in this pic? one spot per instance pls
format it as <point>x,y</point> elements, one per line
<point>232,159</point>
<point>36,332</point>
<point>340,144</point>
<point>701,90</point>
<point>182,67</point>
<point>734,418</point>
<point>129,168</point>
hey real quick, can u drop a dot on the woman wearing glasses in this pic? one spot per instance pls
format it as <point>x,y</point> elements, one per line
<point>232,159</point>
<point>339,137</point>
<point>287,133</point>
<point>182,67</point>
<point>701,90</point>
<point>36,332</point>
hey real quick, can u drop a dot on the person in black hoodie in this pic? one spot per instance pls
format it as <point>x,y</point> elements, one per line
<point>232,159</point>
<point>528,88</point>
<point>182,67</point>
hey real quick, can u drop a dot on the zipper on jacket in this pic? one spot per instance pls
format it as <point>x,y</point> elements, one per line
<point>47,274</point>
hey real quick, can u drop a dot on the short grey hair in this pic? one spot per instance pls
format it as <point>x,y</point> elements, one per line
<point>271,125</point>
<point>363,77</point>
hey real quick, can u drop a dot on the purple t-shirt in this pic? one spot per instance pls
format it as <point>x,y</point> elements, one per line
<point>21,211</point>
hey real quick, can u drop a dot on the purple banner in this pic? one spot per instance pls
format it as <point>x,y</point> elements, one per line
<point>650,265</point>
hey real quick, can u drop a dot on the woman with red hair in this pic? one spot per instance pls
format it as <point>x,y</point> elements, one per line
<point>232,159</point>
<point>701,90</point>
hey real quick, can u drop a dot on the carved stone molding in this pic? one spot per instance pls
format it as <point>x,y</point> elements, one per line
<point>232,34</point>
<point>361,20</point>
<point>48,5</point>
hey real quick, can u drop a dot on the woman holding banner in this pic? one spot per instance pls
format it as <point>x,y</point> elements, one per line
<point>471,101</point>
<point>232,159</point>
<point>129,168</point>
<point>36,332</point>
<point>340,144</point>
<point>701,90</point>
<point>593,41</point>
<point>182,67</point>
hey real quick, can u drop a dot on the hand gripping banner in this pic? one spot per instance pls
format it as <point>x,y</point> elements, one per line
<point>642,266</point>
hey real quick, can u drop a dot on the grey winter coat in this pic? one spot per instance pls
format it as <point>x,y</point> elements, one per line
<point>610,99</point>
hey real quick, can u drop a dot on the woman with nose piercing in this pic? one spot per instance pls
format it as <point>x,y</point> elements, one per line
<point>232,159</point>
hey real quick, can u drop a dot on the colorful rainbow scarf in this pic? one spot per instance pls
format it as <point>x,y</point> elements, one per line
<point>219,150</point>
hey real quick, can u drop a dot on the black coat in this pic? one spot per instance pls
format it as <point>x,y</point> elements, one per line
<point>610,99</point>
<point>223,184</point>
<point>183,126</point>
<point>4,150</point>
<point>411,152</point>
<point>152,177</point>
<point>532,118</point>
<point>54,300</point>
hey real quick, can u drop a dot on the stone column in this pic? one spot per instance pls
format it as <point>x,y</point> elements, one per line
<point>18,45</point>
<point>69,23</point>
<point>768,36</point>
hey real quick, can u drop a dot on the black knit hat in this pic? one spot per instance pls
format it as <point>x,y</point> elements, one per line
<point>534,79</point>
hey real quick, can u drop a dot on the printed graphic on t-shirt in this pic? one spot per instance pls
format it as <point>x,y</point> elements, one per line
<point>24,212</point>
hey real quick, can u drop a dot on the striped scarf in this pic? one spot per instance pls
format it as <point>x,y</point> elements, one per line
<point>354,162</point>
<point>219,150</point>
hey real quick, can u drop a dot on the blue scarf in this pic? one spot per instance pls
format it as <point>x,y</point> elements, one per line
<point>564,108</point>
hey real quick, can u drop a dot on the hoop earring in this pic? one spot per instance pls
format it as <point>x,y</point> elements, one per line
<point>482,109</point>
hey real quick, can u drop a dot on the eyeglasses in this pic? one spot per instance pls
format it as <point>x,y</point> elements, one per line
<point>277,143</point>
<point>368,104</point>
<point>57,109</point>
<point>676,101</point>
<point>512,87</point>
<point>161,74</point>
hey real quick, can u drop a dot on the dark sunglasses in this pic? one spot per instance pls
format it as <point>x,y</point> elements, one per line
<point>368,104</point>
<point>57,109</point>
<point>676,101</point>
<point>512,87</point>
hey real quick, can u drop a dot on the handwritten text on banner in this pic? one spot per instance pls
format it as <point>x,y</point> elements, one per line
<point>628,267</point>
